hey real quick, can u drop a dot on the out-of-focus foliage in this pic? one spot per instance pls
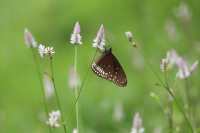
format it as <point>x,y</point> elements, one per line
<point>51,22</point>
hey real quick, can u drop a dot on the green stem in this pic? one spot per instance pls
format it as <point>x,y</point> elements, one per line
<point>173,96</point>
<point>180,108</point>
<point>187,95</point>
<point>41,84</point>
<point>76,89</point>
<point>171,123</point>
<point>170,92</point>
<point>85,77</point>
<point>57,96</point>
<point>189,101</point>
<point>170,106</point>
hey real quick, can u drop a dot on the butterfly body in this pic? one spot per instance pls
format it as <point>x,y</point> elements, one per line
<point>109,68</point>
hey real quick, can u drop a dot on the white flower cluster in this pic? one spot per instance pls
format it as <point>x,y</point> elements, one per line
<point>45,51</point>
<point>48,86</point>
<point>118,113</point>
<point>99,41</point>
<point>54,119</point>
<point>30,42</point>
<point>75,36</point>
<point>184,69</point>
<point>29,39</point>
<point>168,61</point>
<point>74,79</point>
<point>183,12</point>
<point>75,130</point>
<point>137,124</point>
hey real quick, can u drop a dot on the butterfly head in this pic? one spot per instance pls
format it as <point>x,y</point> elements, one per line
<point>108,50</point>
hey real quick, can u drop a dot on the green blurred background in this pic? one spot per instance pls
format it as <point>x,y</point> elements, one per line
<point>51,22</point>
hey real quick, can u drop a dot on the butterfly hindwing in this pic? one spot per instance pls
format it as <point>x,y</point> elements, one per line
<point>109,68</point>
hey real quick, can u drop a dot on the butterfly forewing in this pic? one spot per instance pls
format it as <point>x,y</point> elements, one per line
<point>109,68</point>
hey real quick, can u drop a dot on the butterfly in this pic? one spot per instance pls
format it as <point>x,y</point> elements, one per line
<point>109,68</point>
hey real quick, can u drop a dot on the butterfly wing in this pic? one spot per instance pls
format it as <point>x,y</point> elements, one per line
<point>109,68</point>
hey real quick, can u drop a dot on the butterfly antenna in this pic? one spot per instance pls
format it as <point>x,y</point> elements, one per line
<point>85,79</point>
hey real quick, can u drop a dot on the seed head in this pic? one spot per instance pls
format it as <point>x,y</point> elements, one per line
<point>29,39</point>
<point>183,12</point>
<point>54,119</point>
<point>137,124</point>
<point>75,36</point>
<point>48,86</point>
<point>99,41</point>
<point>75,130</point>
<point>184,70</point>
<point>74,79</point>
<point>45,51</point>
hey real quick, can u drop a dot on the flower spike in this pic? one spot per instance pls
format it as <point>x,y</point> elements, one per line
<point>75,36</point>
<point>99,41</point>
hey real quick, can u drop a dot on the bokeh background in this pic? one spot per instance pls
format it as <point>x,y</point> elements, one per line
<point>156,28</point>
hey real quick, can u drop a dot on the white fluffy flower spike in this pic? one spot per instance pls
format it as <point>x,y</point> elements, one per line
<point>48,86</point>
<point>169,61</point>
<point>54,119</point>
<point>118,113</point>
<point>41,50</point>
<point>75,36</point>
<point>29,39</point>
<point>75,130</point>
<point>183,12</point>
<point>45,51</point>
<point>50,51</point>
<point>137,124</point>
<point>184,70</point>
<point>99,41</point>
<point>74,79</point>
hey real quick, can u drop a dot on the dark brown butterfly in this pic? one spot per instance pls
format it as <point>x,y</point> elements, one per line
<point>109,68</point>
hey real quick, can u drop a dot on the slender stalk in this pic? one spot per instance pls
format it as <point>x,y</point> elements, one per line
<point>170,105</point>
<point>41,84</point>
<point>171,94</point>
<point>85,77</point>
<point>186,27</point>
<point>180,108</point>
<point>84,81</point>
<point>187,95</point>
<point>189,101</point>
<point>76,89</point>
<point>175,100</point>
<point>171,123</point>
<point>57,96</point>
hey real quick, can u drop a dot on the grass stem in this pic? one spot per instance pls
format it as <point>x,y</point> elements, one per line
<point>57,96</point>
<point>85,77</point>
<point>189,106</point>
<point>180,108</point>
<point>170,105</point>
<point>39,73</point>
<point>76,89</point>
<point>170,93</point>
